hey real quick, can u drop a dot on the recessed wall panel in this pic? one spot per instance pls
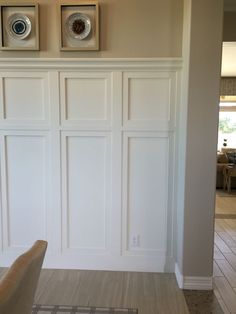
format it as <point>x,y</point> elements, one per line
<point>25,98</point>
<point>87,200</point>
<point>25,181</point>
<point>148,99</point>
<point>145,194</point>
<point>85,99</point>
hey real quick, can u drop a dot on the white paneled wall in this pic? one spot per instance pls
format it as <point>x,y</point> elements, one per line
<point>145,193</point>
<point>85,98</point>
<point>148,100</point>
<point>24,188</point>
<point>86,191</point>
<point>87,161</point>
<point>18,106</point>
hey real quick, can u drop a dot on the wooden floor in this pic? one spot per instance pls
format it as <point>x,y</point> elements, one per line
<point>150,293</point>
<point>225,204</point>
<point>225,264</point>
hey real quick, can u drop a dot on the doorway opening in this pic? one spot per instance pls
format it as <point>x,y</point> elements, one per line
<point>226,155</point>
<point>224,264</point>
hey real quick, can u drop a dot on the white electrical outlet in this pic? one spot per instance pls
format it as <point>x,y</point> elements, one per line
<point>135,240</point>
<point>138,240</point>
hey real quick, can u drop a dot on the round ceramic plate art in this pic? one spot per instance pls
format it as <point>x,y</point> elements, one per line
<point>18,26</point>
<point>78,26</point>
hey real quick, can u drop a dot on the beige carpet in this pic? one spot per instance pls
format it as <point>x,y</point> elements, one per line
<point>225,204</point>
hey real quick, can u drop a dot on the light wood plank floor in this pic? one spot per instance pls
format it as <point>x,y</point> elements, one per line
<point>151,293</point>
<point>225,204</point>
<point>225,264</point>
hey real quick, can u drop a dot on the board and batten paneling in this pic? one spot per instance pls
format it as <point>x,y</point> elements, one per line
<point>24,188</point>
<point>85,98</point>
<point>145,193</point>
<point>86,191</point>
<point>87,161</point>
<point>149,99</point>
<point>24,98</point>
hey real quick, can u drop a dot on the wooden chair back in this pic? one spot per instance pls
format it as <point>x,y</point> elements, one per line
<point>18,285</point>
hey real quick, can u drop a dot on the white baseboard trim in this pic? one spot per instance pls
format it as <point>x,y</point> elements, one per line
<point>192,282</point>
<point>179,276</point>
<point>198,283</point>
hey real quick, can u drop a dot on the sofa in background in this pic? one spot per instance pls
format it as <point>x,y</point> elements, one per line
<point>225,157</point>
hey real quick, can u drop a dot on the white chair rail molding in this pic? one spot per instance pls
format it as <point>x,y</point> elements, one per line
<point>87,150</point>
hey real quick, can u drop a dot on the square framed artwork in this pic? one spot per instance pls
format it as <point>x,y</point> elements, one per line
<point>79,25</point>
<point>19,27</point>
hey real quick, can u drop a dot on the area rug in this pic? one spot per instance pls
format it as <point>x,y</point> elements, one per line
<point>59,309</point>
<point>202,302</point>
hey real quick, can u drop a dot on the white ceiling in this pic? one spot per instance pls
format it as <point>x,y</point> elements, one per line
<point>228,67</point>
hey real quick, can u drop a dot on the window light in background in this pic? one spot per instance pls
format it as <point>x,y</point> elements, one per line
<point>227,113</point>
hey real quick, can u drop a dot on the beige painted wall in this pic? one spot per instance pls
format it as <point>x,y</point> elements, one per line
<point>202,81</point>
<point>229,33</point>
<point>128,28</point>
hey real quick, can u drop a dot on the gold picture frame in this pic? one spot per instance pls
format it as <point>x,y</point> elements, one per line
<point>19,26</point>
<point>79,26</point>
